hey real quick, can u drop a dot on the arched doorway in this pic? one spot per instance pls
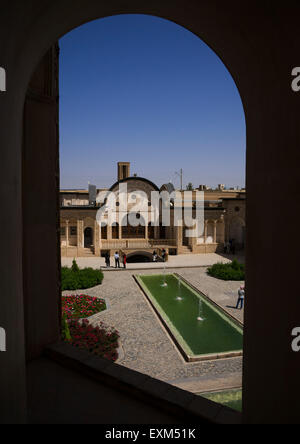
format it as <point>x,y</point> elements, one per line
<point>88,237</point>
<point>139,257</point>
<point>237,232</point>
<point>185,238</point>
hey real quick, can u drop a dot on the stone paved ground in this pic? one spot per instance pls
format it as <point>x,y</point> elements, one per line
<point>146,346</point>
<point>182,260</point>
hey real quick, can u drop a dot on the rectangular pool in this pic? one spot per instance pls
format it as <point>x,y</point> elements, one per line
<point>200,328</point>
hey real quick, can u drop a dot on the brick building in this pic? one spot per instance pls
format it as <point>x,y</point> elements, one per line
<point>82,235</point>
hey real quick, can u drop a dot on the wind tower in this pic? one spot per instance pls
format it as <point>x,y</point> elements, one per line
<point>123,170</point>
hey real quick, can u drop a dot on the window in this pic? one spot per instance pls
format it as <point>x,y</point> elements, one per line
<point>115,231</point>
<point>151,232</point>
<point>104,232</point>
<point>73,231</point>
<point>63,231</point>
<point>162,231</point>
<point>130,232</point>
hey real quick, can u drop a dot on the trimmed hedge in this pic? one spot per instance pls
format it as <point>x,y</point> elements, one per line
<point>228,272</point>
<point>76,279</point>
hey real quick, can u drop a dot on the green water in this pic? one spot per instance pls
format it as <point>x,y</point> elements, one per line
<point>214,335</point>
<point>230,398</point>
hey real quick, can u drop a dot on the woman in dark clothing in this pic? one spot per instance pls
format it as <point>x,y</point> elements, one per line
<point>107,260</point>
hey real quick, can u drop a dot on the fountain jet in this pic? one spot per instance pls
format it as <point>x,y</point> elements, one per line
<point>165,277</point>
<point>200,318</point>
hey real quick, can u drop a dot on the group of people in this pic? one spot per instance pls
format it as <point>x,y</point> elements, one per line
<point>163,256</point>
<point>123,258</point>
<point>230,247</point>
<point>118,260</point>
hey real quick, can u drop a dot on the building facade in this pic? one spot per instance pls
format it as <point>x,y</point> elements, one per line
<point>82,235</point>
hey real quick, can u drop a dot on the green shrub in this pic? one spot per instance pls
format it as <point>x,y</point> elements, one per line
<point>235,265</point>
<point>228,272</point>
<point>76,279</point>
<point>66,334</point>
<point>75,267</point>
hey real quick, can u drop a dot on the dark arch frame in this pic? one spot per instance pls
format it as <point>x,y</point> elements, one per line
<point>258,46</point>
<point>73,24</point>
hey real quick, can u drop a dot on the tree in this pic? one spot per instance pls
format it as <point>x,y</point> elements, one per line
<point>190,187</point>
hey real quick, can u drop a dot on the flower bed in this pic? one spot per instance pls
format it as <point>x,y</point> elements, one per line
<point>81,306</point>
<point>101,340</point>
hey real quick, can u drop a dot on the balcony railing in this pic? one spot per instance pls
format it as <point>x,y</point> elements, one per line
<point>163,242</point>
<point>136,244</point>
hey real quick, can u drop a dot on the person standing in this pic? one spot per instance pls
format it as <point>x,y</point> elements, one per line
<point>107,260</point>
<point>154,256</point>
<point>163,255</point>
<point>241,298</point>
<point>125,260</point>
<point>117,260</point>
<point>233,247</point>
<point>228,248</point>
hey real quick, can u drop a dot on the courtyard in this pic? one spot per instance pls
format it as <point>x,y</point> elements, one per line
<point>145,345</point>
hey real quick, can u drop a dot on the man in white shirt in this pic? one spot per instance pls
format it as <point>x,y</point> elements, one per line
<point>117,259</point>
<point>241,298</point>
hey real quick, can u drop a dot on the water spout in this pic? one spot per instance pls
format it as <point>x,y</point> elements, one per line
<point>165,277</point>
<point>200,317</point>
<point>179,298</point>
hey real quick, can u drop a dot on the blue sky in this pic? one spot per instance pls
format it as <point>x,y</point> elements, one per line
<point>141,89</point>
